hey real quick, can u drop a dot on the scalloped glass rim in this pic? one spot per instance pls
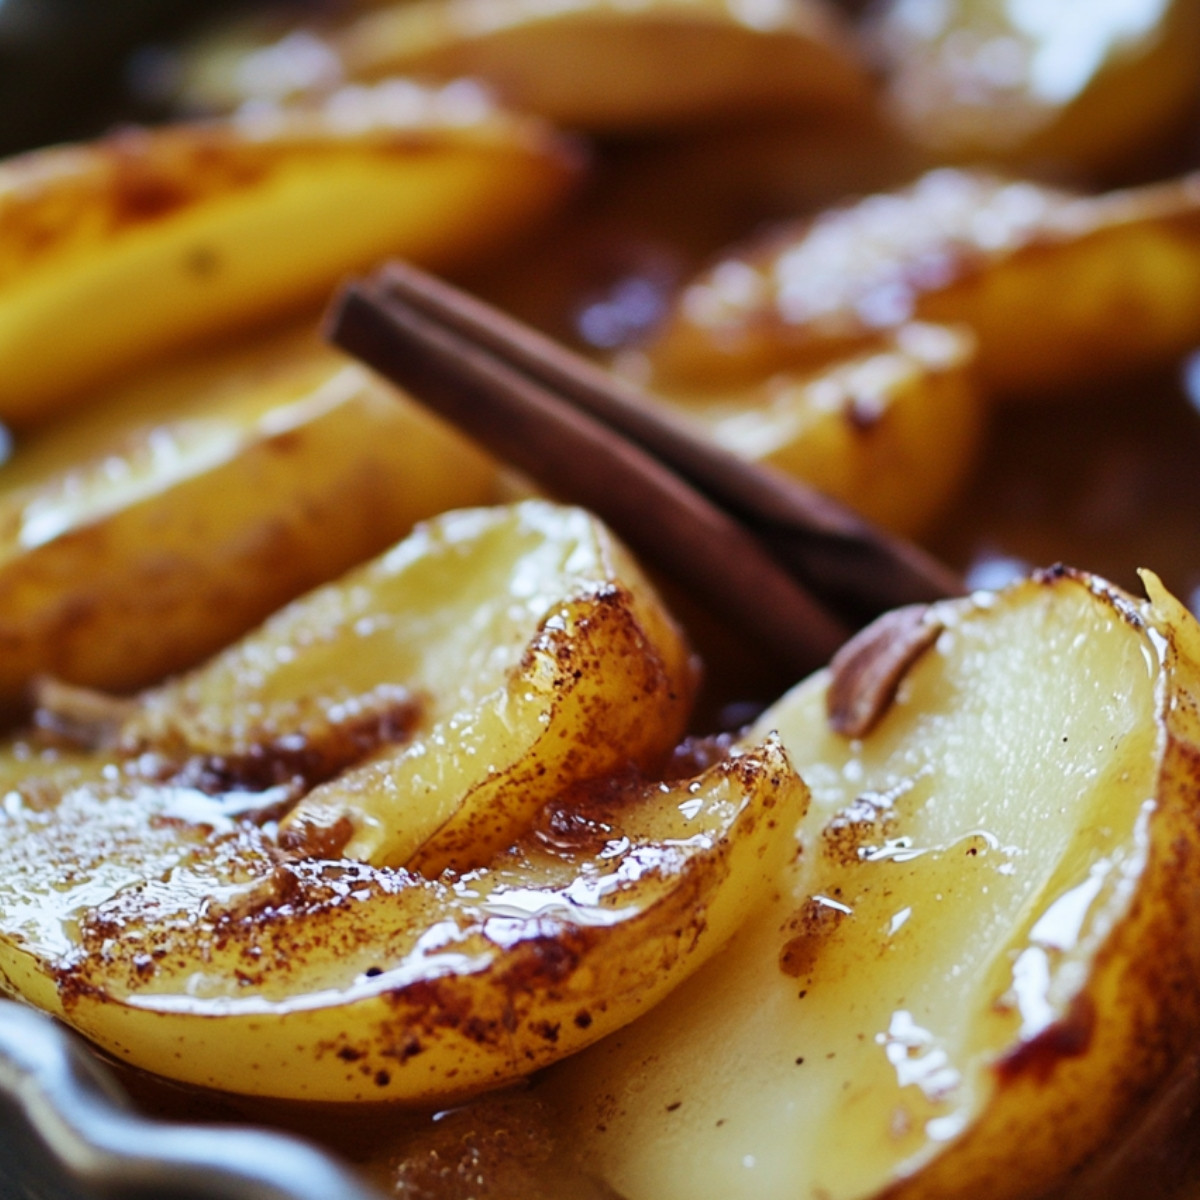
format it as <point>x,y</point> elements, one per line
<point>67,1131</point>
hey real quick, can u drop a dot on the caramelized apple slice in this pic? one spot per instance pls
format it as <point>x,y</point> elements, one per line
<point>1060,291</point>
<point>593,64</point>
<point>434,700</point>
<point>600,65</point>
<point>154,894</point>
<point>1056,86</point>
<point>180,509</point>
<point>891,431</point>
<point>116,251</point>
<point>984,960</point>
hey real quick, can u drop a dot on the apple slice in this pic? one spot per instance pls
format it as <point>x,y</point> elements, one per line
<point>892,430</point>
<point>120,250</point>
<point>200,496</point>
<point>432,701</point>
<point>596,64</point>
<point>485,696</point>
<point>591,64</point>
<point>176,936</point>
<point>1060,290</point>
<point>1072,89</point>
<point>985,959</point>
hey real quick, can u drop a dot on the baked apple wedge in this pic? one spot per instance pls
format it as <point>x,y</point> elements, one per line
<point>136,245</point>
<point>435,699</point>
<point>593,64</point>
<point>892,430</point>
<point>1073,89</point>
<point>604,66</point>
<point>985,960</point>
<point>201,495</point>
<point>1060,290</point>
<point>174,933</point>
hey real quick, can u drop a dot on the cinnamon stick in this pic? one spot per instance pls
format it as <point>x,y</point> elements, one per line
<point>778,560</point>
<point>854,566</point>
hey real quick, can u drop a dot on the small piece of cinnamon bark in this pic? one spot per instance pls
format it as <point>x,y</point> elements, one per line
<point>866,672</point>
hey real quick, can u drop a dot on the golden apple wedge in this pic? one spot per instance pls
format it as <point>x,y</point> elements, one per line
<point>1060,290</point>
<point>166,925</point>
<point>596,64</point>
<point>177,511</point>
<point>892,430</point>
<point>435,699</point>
<point>1047,86</point>
<point>592,64</point>
<point>983,963</point>
<point>164,889</point>
<point>116,251</point>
